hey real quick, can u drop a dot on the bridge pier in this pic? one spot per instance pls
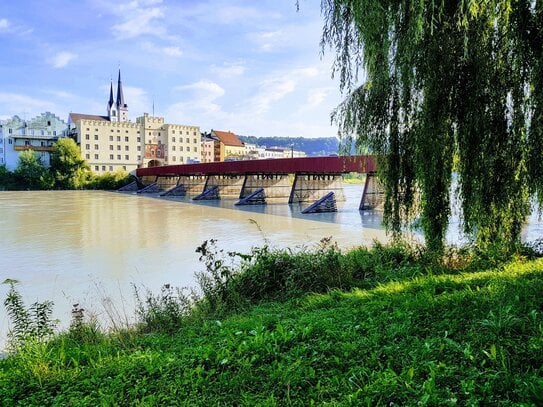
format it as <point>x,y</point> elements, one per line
<point>373,195</point>
<point>228,185</point>
<point>311,187</point>
<point>275,185</point>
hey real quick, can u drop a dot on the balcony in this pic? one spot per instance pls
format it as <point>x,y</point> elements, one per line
<point>33,148</point>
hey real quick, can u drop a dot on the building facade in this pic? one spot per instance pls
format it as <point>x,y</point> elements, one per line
<point>228,146</point>
<point>38,134</point>
<point>110,143</point>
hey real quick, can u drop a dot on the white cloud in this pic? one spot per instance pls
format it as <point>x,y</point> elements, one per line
<point>4,24</point>
<point>269,40</point>
<point>171,51</point>
<point>316,96</point>
<point>204,90</point>
<point>137,100</point>
<point>228,70</point>
<point>23,105</point>
<point>140,22</point>
<point>61,59</point>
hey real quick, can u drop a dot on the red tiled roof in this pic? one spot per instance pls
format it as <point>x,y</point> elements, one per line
<point>228,138</point>
<point>74,117</point>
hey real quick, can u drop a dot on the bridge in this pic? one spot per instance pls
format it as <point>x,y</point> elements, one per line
<point>307,179</point>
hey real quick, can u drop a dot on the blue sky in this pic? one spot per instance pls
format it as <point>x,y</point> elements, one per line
<point>251,67</point>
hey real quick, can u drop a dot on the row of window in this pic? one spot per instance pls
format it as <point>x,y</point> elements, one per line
<point>112,157</point>
<point>97,168</point>
<point>111,147</point>
<point>118,131</point>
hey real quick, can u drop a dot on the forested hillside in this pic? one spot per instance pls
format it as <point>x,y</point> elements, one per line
<point>311,146</point>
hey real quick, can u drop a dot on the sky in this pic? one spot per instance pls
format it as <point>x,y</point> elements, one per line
<point>252,67</point>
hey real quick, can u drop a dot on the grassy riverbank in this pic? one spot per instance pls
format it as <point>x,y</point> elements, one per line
<point>396,327</point>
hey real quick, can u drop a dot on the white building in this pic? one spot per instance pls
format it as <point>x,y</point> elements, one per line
<point>38,134</point>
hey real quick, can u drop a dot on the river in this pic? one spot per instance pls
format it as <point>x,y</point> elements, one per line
<point>89,247</point>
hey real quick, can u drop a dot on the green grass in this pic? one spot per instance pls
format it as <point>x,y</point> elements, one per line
<point>403,330</point>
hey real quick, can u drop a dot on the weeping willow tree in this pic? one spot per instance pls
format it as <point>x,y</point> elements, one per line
<point>430,84</point>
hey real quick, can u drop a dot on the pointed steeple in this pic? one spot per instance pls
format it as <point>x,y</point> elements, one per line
<point>120,96</point>
<point>110,103</point>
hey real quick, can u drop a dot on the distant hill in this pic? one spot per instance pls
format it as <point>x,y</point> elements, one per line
<point>311,146</point>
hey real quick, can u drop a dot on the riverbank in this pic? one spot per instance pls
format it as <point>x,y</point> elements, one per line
<point>397,328</point>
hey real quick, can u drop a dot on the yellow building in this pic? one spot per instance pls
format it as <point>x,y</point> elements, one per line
<point>228,146</point>
<point>110,143</point>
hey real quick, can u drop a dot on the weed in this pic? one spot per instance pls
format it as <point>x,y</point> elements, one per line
<point>32,324</point>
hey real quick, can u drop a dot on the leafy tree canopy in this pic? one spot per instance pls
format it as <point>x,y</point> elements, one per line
<point>430,81</point>
<point>31,173</point>
<point>67,166</point>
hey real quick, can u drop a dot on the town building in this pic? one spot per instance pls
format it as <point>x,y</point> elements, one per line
<point>228,146</point>
<point>208,149</point>
<point>112,142</point>
<point>37,134</point>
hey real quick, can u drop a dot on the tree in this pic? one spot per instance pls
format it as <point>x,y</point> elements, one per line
<point>68,168</point>
<point>31,173</point>
<point>426,81</point>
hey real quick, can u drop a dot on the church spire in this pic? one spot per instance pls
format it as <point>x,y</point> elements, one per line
<point>122,108</point>
<point>110,95</point>
<point>120,96</point>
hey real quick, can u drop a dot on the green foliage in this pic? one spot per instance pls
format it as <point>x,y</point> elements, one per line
<point>67,166</point>
<point>445,83</point>
<point>456,338</point>
<point>7,180</point>
<point>33,324</point>
<point>109,180</point>
<point>164,312</point>
<point>31,173</point>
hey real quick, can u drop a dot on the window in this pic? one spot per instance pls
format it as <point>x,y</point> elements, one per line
<point>187,139</point>
<point>88,129</point>
<point>87,156</point>
<point>126,131</point>
<point>96,168</point>
<point>10,131</point>
<point>139,157</point>
<point>96,136</point>
<point>127,157</point>
<point>87,137</point>
<point>111,147</point>
<point>54,132</point>
<point>95,129</point>
<point>96,156</point>
<point>118,147</point>
<point>111,156</point>
<point>111,130</point>
<point>173,158</point>
<point>194,141</point>
<point>139,148</point>
<point>124,167</point>
<point>10,141</point>
<point>194,133</point>
<point>111,167</point>
<point>187,132</point>
<point>118,138</point>
<point>118,156</point>
<point>126,148</point>
<point>87,146</point>
<point>126,138</point>
<point>173,148</point>
<point>173,132</point>
<point>103,167</point>
<point>139,139</point>
<point>181,148</point>
<point>96,146</point>
<point>48,122</point>
<point>173,139</point>
<point>110,138</point>
<point>118,131</point>
<point>188,148</point>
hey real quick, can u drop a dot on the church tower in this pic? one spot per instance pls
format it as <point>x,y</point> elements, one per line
<point>112,111</point>
<point>117,111</point>
<point>122,108</point>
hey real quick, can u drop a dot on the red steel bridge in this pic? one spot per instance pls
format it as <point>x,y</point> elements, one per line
<point>300,179</point>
